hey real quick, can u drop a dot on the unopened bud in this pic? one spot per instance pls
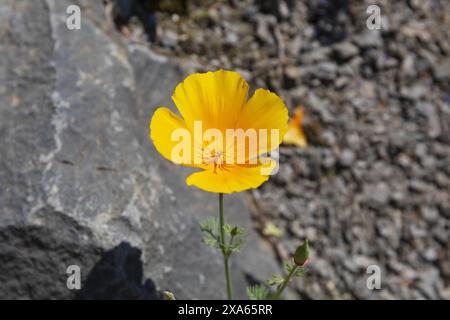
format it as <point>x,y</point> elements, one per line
<point>301,255</point>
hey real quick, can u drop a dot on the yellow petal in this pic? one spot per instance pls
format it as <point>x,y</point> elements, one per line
<point>233,179</point>
<point>216,98</point>
<point>265,110</point>
<point>164,127</point>
<point>295,134</point>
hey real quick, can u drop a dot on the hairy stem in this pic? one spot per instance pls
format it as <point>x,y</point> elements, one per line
<point>285,283</point>
<point>225,253</point>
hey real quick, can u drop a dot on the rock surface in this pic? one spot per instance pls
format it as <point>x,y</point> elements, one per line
<point>80,181</point>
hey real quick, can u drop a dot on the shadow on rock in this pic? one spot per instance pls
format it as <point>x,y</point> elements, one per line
<point>118,275</point>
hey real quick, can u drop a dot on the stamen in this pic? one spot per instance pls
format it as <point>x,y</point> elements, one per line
<point>213,157</point>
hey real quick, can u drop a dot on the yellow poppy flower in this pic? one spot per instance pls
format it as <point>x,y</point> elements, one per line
<point>220,132</point>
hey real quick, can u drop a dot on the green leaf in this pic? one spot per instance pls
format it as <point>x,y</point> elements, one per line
<point>258,292</point>
<point>228,228</point>
<point>210,225</point>
<point>276,279</point>
<point>300,272</point>
<point>211,241</point>
<point>287,266</point>
<point>237,242</point>
<point>237,231</point>
<point>237,238</point>
<point>209,229</point>
<point>234,236</point>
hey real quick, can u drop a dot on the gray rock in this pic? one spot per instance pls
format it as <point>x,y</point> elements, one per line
<point>407,67</point>
<point>413,93</point>
<point>430,254</point>
<point>341,82</point>
<point>369,39</point>
<point>82,183</point>
<point>386,62</point>
<point>285,212</point>
<point>231,38</point>
<point>377,194</point>
<point>432,115</point>
<point>430,214</point>
<point>284,175</point>
<point>315,55</point>
<point>345,50</point>
<point>291,76</point>
<point>347,157</point>
<point>294,46</point>
<point>441,71</point>
<point>263,25</point>
<point>325,70</point>
<point>428,283</point>
<point>388,230</point>
<point>441,233</point>
<point>169,38</point>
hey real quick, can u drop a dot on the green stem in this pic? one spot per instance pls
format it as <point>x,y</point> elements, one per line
<point>224,250</point>
<point>286,282</point>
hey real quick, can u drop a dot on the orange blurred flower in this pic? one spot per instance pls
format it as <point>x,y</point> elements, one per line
<point>295,134</point>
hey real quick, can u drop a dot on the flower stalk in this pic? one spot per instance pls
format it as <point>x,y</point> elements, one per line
<point>285,283</point>
<point>225,251</point>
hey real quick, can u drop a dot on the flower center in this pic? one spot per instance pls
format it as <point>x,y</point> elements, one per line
<point>213,155</point>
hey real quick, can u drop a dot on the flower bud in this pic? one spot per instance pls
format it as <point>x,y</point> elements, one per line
<point>301,254</point>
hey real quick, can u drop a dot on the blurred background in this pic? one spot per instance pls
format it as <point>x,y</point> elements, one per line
<point>367,183</point>
<point>372,186</point>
